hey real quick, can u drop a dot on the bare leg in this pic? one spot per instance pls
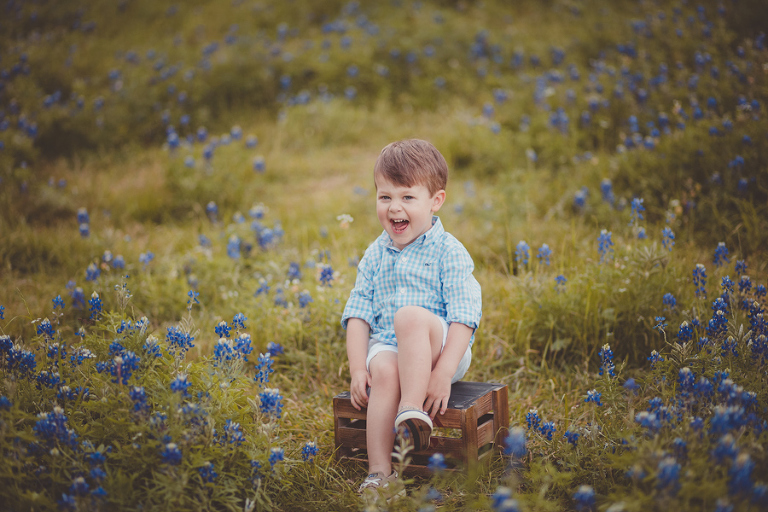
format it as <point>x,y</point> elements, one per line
<point>419,342</point>
<point>382,408</point>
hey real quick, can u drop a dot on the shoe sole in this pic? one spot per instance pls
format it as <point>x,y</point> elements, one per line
<point>418,426</point>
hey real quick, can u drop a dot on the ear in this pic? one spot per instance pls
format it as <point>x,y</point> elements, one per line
<point>437,200</point>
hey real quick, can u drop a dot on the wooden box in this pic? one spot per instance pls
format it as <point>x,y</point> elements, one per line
<point>474,424</point>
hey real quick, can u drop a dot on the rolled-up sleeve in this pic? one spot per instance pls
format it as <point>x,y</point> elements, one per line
<point>360,303</point>
<point>461,291</point>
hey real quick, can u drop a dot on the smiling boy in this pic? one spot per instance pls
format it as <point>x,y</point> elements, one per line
<point>411,317</point>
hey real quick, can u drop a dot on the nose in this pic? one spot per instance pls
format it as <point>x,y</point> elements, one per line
<point>394,206</point>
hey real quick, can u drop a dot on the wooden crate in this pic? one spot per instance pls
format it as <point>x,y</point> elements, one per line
<point>474,424</point>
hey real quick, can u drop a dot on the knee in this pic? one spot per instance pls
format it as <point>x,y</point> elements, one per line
<point>411,318</point>
<point>385,374</point>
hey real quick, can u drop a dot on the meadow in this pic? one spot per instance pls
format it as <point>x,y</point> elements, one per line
<point>186,189</point>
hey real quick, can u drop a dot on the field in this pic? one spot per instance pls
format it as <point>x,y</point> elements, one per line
<point>186,190</point>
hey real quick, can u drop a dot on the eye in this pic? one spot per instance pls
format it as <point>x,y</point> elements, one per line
<point>408,198</point>
<point>383,198</point>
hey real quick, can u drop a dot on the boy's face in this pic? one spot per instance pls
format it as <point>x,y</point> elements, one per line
<point>405,213</point>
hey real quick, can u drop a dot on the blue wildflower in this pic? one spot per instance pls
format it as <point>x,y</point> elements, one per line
<point>276,455</point>
<point>685,333</point>
<point>326,275</point>
<point>178,341</point>
<point>436,463</point>
<point>238,321</point>
<point>207,474</point>
<point>560,283</point>
<point>721,255</point>
<point>193,295</point>
<point>548,429</point>
<point>700,280</point>
<point>45,329</point>
<point>669,301</point>
<point>667,238</point>
<point>294,271</point>
<point>668,475</point>
<point>139,397</point>
<point>58,303</point>
<point>572,437</point>
<point>230,435</point>
<point>740,475</point>
<point>171,454</point>
<point>95,305</point>
<point>606,187</point>
<point>594,396</point>
<point>521,253</point>
<point>636,210</point>
<point>271,404</point>
<point>145,258</point>
<point>631,385</point>
<point>533,419</point>
<point>544,253</point>
<point>92,272</point>
<point>741,267</point>
<point>180,384</point>
<point>514,443</point>
<point>584,498</point>
<point>2,312</point>
<point>274,349</point>
<point>309,451</point>
<point>606,360</point>
<point>605,245</point>
<point>263,368</point>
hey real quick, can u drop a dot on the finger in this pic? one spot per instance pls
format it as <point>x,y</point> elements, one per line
<point>445,406</point>
<point>354,402</point>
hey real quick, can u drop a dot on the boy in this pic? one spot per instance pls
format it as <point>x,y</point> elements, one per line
<point>411,317</point>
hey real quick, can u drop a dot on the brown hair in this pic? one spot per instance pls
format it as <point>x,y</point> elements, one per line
<point>411,162</point>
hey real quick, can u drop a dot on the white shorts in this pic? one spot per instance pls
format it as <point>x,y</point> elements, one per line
<point>376,346</point>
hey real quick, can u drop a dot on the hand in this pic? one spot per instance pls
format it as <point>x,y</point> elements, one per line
<point>358,389</point>
<point>438,392</point>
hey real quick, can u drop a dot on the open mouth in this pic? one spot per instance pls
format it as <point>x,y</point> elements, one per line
<point>399,226</point>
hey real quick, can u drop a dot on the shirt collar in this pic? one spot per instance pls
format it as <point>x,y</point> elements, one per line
<point>431,236</point>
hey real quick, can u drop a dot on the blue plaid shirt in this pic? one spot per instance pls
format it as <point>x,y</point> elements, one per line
<point>434,272</point>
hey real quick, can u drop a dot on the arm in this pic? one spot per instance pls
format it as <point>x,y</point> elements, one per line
<point>439,389</point>
<point>358,333</point>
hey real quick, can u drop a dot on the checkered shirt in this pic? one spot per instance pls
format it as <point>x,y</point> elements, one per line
<point>434,272</point>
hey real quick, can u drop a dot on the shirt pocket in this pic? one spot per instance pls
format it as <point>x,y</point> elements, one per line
<point>425,278</point>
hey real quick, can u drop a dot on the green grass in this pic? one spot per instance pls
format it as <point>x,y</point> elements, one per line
<point>541,340</point>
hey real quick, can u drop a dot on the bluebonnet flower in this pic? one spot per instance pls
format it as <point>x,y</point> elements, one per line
<point>548,429</point>
<point>230,435</point>
<point>606,360</point>
<point>721,255</point>
<point>151,347</point>
<point>745,284</point>
<point>280,299</point>
<point>436,463</point>
<point>326,275</point>
<point>584,498</point>
<point>669,301</point>
<point>685,333</point>
<point>274,349</point>
<point>648,420</point>
<point>560,283</point>
<point>544,253</point>
<point>680,448</point>
<point>223,351</point>
<point>145,258</point>
<point>67,393</point>
<point>242,346</point>
<point>222,329</point>
<point>309,451</point>
<point>606,187</point>
<point>741,267</point>
<point>263,368</point>
<point>45,329</point>
<point>48,379</point>
<point>178,341</point>
<point>759,493</point>
<point>95,305</point>
<point>727,418</point>
<point>79,487</point>
<point>515,442</point>
<point>233,247</point>
<point>205,241</point>
<point>667,238</point>
<point>605,245</point>
<point>579,199</point>
<point>171,454</point>
<point>51,428</point>
<point>725,449</point>
<point>271,402</point>
<point>697,423</point>
<point>5,403</point>
<point>533,419</point>
<point>2,312</point>
<point>594,396</point>
<point>139,397</point>
<point>180,384</point>
<point>572,437</point>
<point>193,295</point>
<point>294,271</point>
<point>207,474</point>
<point>631,385</point>
<point>58,303</point>
<point>700,280</point>
<point>92,272</point>
<point>304,299</point>
<point>276,455</point>
<point>238,321</point>
<point>641,233</point>
<point>123,366</point>
<point>521,253</point>
<point>668,475</point>
<point>636,210</point>
<point>82,216</point>
<point>263,288</point>
<point>740,475</point>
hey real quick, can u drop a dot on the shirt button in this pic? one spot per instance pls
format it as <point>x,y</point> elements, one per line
<point>402,291</point>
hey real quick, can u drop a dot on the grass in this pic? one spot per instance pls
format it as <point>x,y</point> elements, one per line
<point>540,338</point>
